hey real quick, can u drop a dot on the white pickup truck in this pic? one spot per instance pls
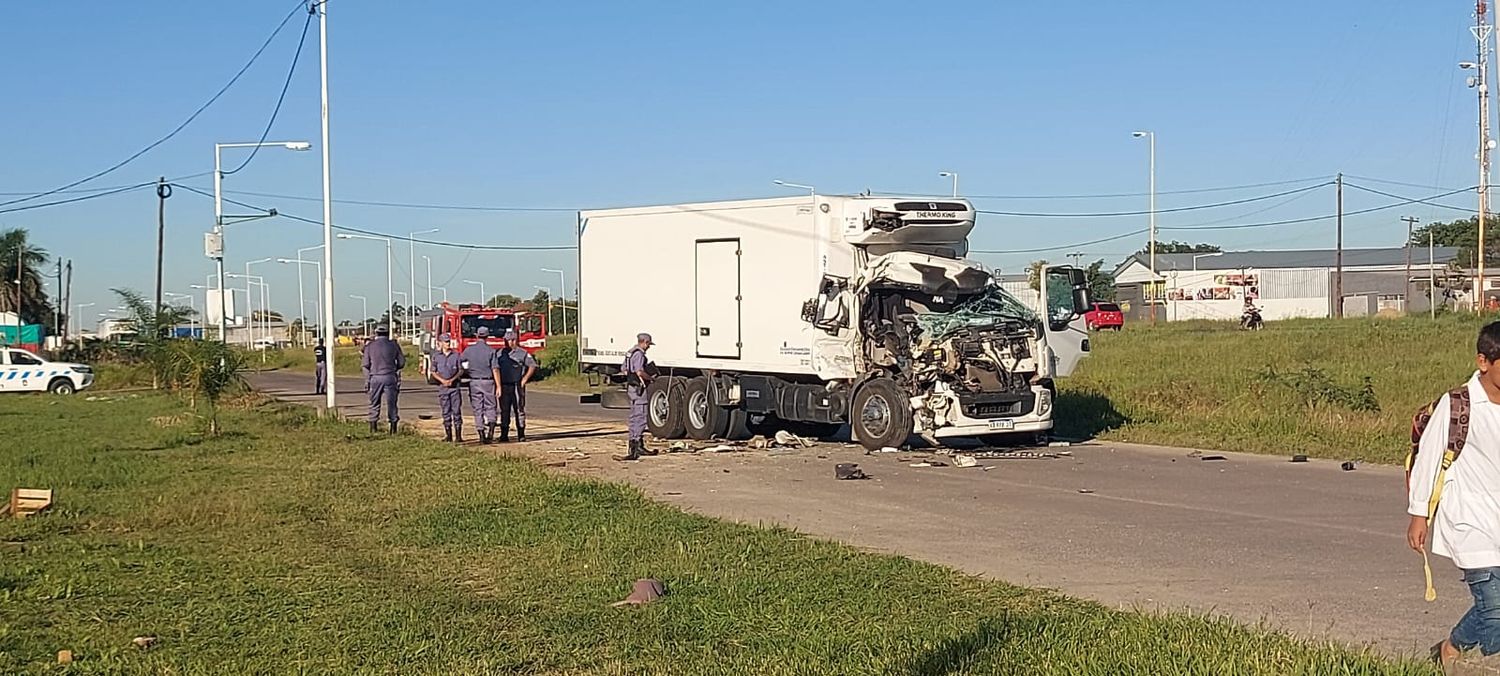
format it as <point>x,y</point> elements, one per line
<point>22,371</point>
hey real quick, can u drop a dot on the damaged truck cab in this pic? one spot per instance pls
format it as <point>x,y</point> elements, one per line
<point>898,333</point>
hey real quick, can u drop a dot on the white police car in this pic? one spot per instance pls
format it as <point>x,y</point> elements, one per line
<point>22,371</point>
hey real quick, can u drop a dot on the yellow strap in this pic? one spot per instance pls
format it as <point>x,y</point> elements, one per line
<point>1432,505</point>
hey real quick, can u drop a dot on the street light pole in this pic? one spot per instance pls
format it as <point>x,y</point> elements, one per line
<point>390,291</point>
<point>563,284</point>
<point>429,281</point>
<point>364,313</point>
<point>79,320</point>
<point>411,269</point>
<point>219,213</point>
<point>483,299</point>
<point>1151,138</point>
<point>953,175</point>
<point>250,318</point>
<point>328,309</point>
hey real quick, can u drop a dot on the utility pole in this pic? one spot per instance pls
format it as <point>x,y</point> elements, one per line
<point>1482,31</point>
<point>331,402</point>
<point>20,254</point>
<point>1406,286</point>
<point>1431,278</point>
<point>163,191</point>
<point>1077,257</point>
<point>68,299</point>
<point>1338,255</point>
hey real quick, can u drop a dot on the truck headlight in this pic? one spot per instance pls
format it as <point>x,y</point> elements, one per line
<point>1044,403</point>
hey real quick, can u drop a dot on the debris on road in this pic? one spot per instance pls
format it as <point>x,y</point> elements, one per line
<point>27,501</point>
<point>758,442</point>
<point>645,591</point>
<point>1016,455</point>
<point>1060,444</point>
<point>965,461</point>
<point>1348,466</point>
<point>787,439</point>
<point>930,463</point>
<point>848,471</point>
<point>1299,458</point>
<point>1086,491</point>
<point>887,449</point>
<point>1211,457</point>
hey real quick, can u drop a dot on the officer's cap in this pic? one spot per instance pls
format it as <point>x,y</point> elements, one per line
<point>644,338</point>
<point>483,332</point>
<point>445,338</point>
<point>510,335</point>
<point>382,330</point>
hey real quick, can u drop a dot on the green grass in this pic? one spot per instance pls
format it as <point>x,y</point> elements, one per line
<point>1196,384</point>
<point>298,545</point>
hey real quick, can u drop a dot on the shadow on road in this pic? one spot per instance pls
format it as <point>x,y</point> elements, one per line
<point>1085,414</point>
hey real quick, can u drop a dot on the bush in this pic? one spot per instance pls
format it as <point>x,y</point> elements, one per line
<point>1315,388</point>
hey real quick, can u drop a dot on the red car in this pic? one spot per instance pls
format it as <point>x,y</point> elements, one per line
<point>1105,316</point>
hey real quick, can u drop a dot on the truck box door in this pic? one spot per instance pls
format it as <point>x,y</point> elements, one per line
<point>718,298</point>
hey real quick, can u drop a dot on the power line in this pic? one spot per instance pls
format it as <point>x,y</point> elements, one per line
<point>403,238</point>
<point>1198,207</point>
<point>405,205</point>
<point>179,128</point>
<point>80,198</point>
<point>1427,201</point>
<point>80,191</point>
<point>1230,188</point>
<point>1404,201</point>
<point>301,41</point>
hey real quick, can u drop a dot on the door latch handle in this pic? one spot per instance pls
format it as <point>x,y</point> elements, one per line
<point>703,330</point>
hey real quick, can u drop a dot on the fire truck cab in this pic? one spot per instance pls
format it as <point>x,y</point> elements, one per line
<point>463,323</point>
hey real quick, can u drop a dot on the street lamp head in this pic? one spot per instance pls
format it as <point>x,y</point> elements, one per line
<point>1139,134</point>
<point>1468,65</point>
<point>946,174</point>
<point>297,145</point>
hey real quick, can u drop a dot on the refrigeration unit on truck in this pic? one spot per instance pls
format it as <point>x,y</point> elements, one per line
<point>822,311</point>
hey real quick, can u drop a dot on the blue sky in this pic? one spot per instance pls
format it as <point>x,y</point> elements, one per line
<point>598,104</point>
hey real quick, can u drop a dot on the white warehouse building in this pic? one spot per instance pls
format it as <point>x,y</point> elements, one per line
<point>1283,284</point>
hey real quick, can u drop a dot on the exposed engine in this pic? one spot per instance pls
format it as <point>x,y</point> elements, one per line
<point>975,353</point>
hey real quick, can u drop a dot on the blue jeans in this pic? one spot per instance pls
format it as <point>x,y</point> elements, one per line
<point>1481,625</point>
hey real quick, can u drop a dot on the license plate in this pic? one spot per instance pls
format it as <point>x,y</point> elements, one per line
<point>1002,424</point>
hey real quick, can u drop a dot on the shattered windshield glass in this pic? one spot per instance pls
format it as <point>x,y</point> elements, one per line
<point>987,307</point>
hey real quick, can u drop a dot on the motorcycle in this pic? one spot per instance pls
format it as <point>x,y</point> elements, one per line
<point>1251,320</point>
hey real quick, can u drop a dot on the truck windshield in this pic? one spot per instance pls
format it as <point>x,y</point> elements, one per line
<point>497,325</point>
<point>991,306</point>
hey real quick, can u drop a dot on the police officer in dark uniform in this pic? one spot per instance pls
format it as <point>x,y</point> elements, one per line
<point>384,360</point>
<point>517,367</point>
<point>637,378</point>
<point>479,360</point>
<point>447,367</point>
<point>320,356</point>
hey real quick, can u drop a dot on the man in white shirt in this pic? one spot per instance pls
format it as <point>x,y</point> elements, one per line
<point>1466,527</point>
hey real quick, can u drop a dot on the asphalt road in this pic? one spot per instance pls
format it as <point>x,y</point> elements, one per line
<point>1304,547</point>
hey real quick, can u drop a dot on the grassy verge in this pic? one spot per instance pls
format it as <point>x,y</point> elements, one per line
<point>297,545</point>
<point>1295,387</point>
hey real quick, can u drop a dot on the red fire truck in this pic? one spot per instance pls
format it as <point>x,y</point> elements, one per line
<point>463,323</point>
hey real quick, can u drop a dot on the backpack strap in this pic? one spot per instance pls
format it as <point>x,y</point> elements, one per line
<point>1459,406</point>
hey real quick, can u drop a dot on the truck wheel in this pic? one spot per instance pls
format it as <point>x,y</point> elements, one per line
<point>61,386</point>
<point>665,408</point>
<point>881,416</point>
<point>704,419</point>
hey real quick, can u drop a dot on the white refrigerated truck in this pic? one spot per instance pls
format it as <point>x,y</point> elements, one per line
<point>814,312</point>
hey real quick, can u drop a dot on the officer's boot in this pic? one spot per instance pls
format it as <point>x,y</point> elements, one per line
<point>634,453</point>
<point>520,433</point>
<point>458,434</point>
<point>489,434</point>
<point>448,433</point>
<point>642,448</point>
<point>393,426</point>
<point>374,427</point>
<point>504,435</point>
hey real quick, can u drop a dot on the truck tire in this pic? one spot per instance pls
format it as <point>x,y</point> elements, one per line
<point>703,418</point>
<point>61,386</point>
<point>665,408</point>
<point>880,416</point>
